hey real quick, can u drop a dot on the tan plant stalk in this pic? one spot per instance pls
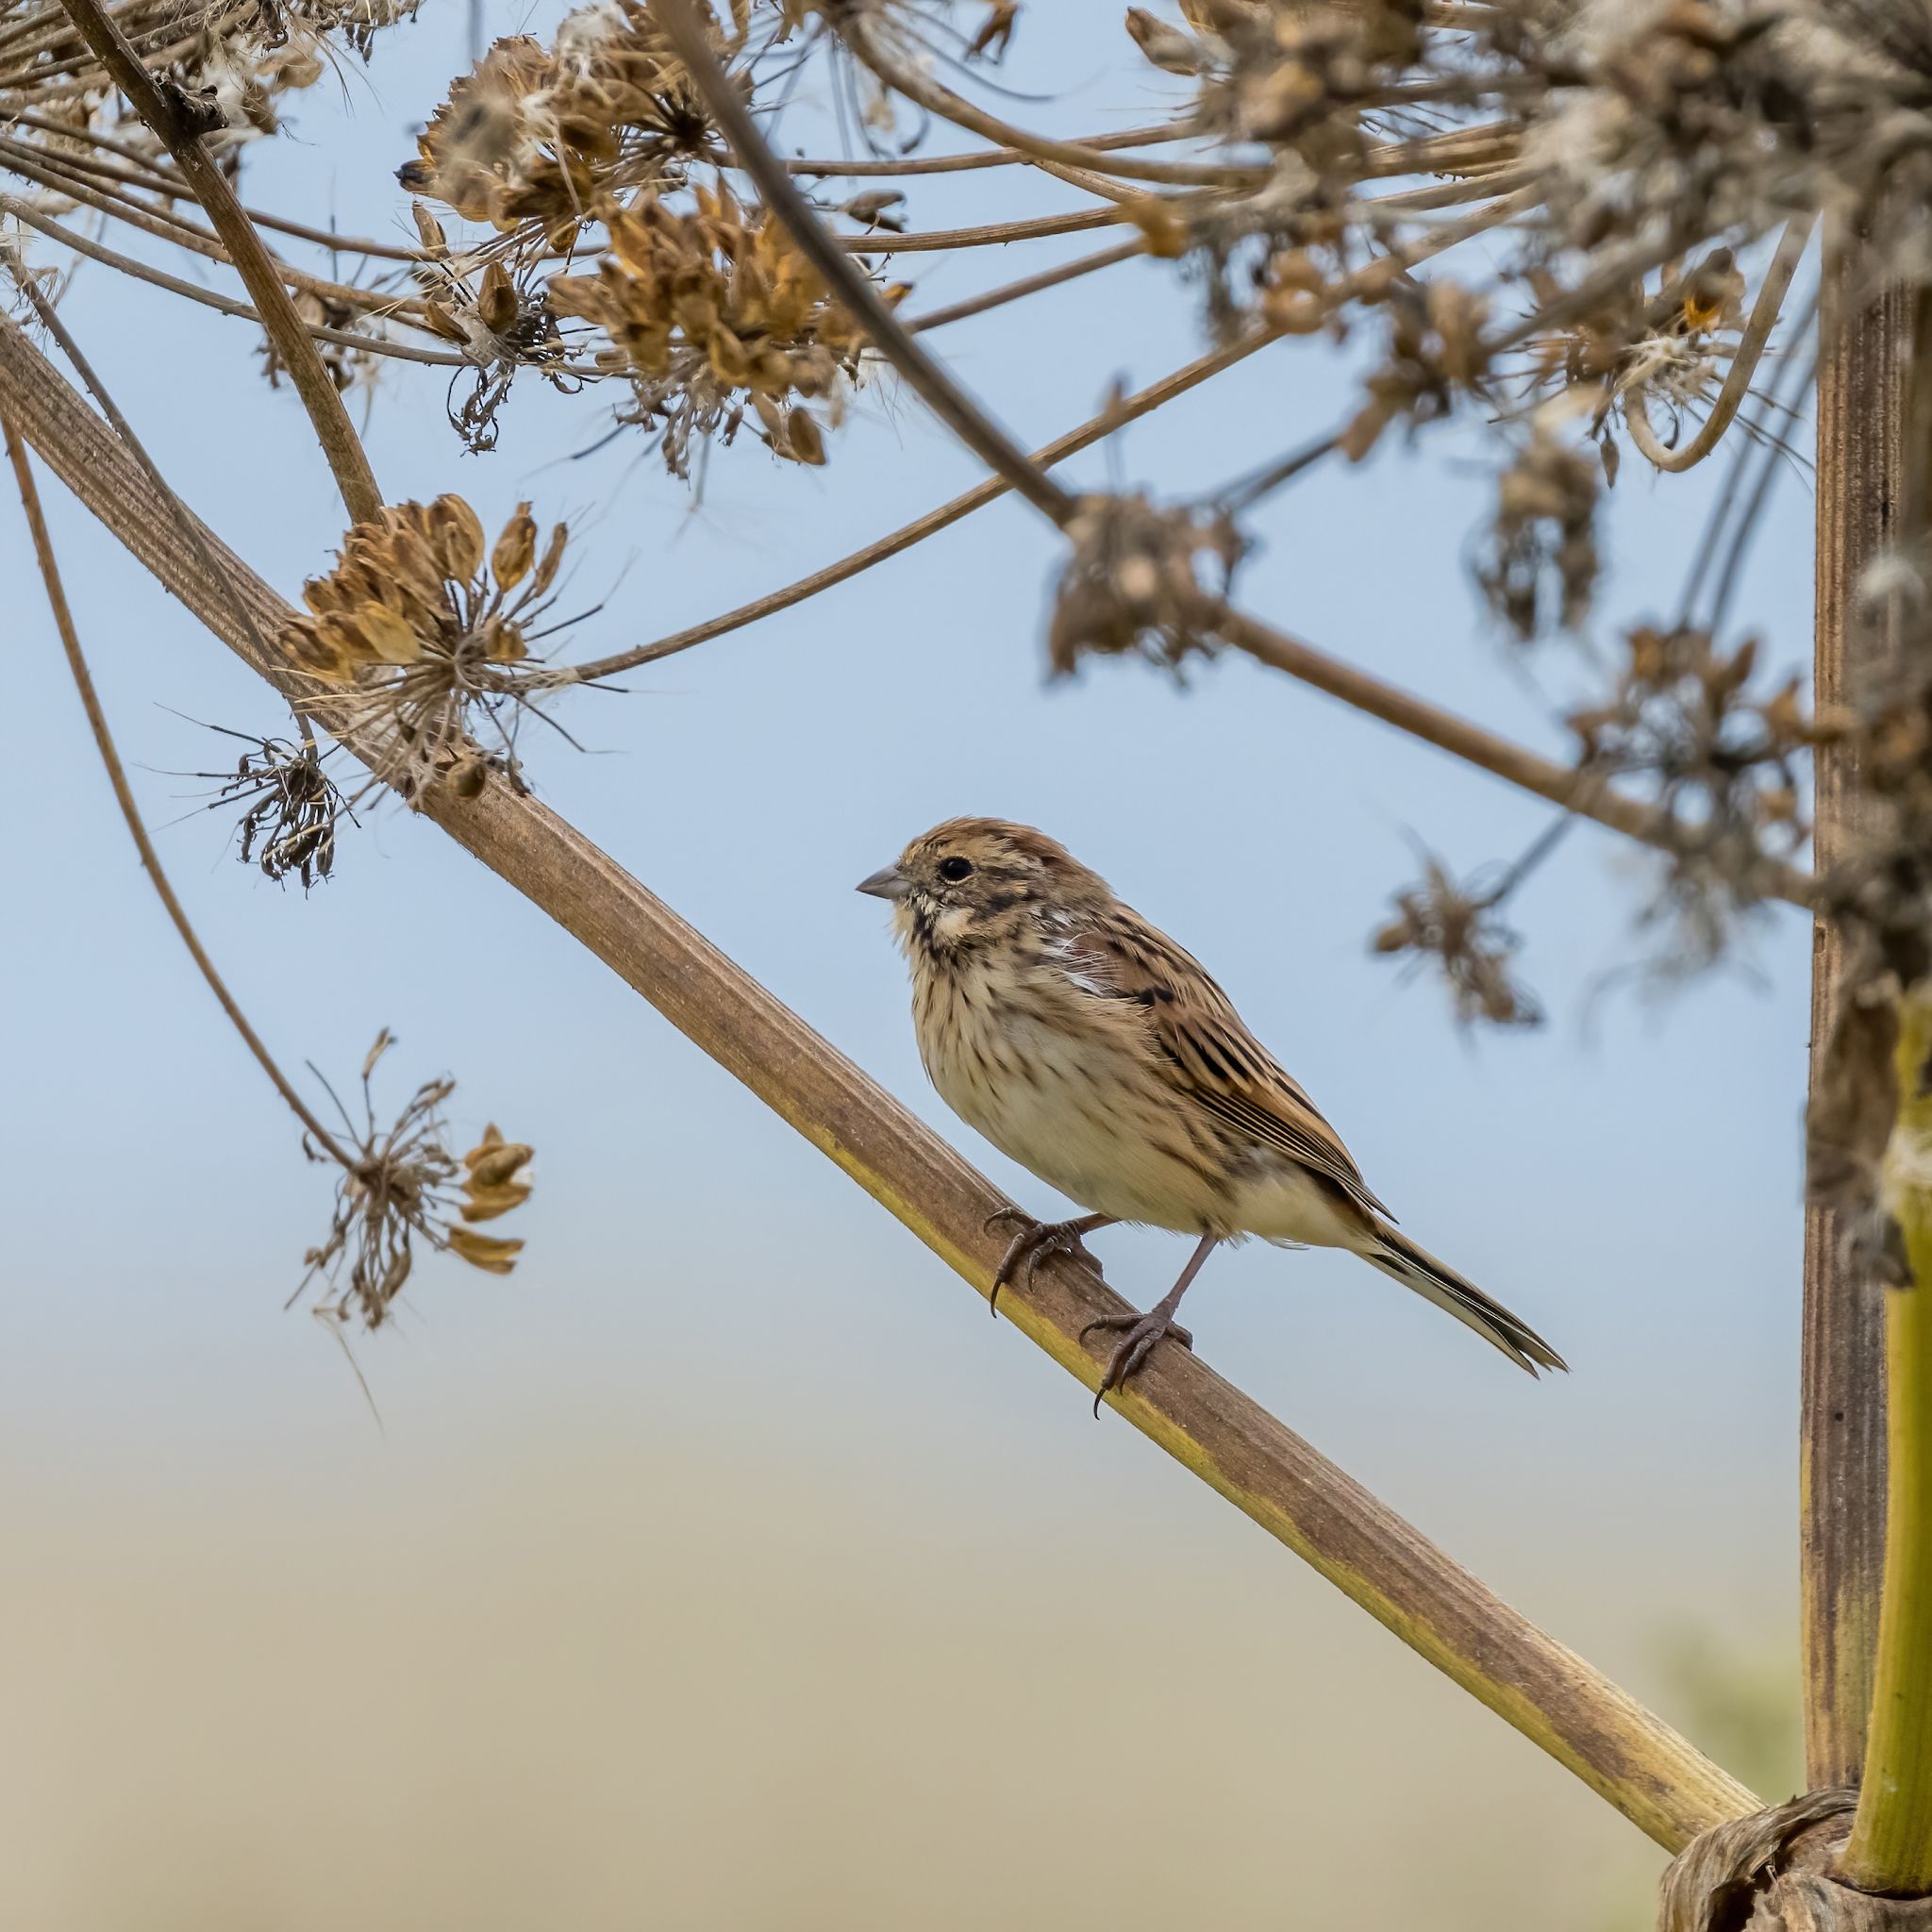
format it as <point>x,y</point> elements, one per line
<point>1636,1762</point>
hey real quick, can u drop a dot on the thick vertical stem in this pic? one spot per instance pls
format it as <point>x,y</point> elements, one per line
<point>1891,1849</point>
<point>1864,362</point>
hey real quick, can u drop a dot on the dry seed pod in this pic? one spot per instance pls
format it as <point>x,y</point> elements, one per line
<point>805,442</point>
<point>467,777</point>
<point>429,229</point>
<point>496,299</point>
<point>457,537</point>
<point>493,1166</point>
<point>486,1203</point>
<point>1168,49</point>
<point>551,559</point>
<point>516,549</point>
<point>491,1253</point>
<point>388,637</point>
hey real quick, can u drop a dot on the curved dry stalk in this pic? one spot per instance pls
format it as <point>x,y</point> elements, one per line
<point>856,30</point>
<point>985,157</point>
<point>251,261</point>
<point>130,812</point>
<point>1744,361</point>
<point>1583,792</point>
<point>992,234</point>
<point>1595,1730</point>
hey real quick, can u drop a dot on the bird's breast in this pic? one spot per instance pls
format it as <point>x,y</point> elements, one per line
<point>1066,1089</point>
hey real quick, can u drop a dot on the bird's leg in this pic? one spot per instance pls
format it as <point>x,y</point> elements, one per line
<point>1143,1331</point>
<point>1034,1242</point>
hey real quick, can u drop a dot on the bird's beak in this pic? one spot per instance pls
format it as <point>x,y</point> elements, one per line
<point>889,883</point>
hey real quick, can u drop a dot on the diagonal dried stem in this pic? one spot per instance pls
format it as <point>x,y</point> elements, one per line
<point>166,115</point>
<point>1650,1774</point>
<point>933,384</point>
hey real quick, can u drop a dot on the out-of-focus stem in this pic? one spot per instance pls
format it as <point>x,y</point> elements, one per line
<point>1890,1848</point>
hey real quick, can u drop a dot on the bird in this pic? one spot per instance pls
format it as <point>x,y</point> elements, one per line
<point>1088,1046</point>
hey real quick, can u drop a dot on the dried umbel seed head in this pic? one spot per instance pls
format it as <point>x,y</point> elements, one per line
<point>706,310</point>
<point>1722,766</point>
<point>422,624</point>
<point>537,133</point>
<point>401,1185</point>
<point>1140,579</point>
<point>1437,352</point>
<point>1539,563</point>
<point>1462,930</point>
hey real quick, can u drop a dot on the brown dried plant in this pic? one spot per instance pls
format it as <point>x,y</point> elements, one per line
<point>420,629</point>
<point>707,311</point>
<point>401,1185</point>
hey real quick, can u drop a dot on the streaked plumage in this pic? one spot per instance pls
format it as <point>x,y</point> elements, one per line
<point>1088,1046</point>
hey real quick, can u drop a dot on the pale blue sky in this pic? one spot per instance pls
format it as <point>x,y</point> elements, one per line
<point>1632,1189</point>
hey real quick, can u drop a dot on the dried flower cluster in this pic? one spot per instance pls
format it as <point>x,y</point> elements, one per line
<point>402,1186</point>
<point>537,134</point>
<point>1461,929</point>
<point>1721,764</point>
<point>419,627</point>
<point>1539,563</point>
<point>1140,580</point>
<point>293,808</point>
<point>707,311</point>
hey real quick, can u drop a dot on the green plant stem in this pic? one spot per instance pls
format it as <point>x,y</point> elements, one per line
<point>1890,1848</point>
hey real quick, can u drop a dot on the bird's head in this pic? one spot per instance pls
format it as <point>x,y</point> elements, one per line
<point>979,882</point>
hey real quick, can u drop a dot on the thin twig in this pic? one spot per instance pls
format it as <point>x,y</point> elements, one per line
<point>1027,285</point>
<point>130,812</point>
<point>854,29</point>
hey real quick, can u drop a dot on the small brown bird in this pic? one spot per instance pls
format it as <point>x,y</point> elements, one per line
<point>1092,1049</point>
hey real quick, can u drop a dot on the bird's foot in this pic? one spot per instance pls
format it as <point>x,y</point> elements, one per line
<point>1034,1241</point>
<point>1136,1345</point>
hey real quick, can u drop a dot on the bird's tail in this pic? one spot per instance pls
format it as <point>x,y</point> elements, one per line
<point>1395,1254</point>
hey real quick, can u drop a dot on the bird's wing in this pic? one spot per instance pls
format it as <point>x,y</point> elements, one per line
<point>1206,1049</point>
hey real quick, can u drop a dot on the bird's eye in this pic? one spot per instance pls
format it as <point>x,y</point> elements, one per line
<point>954,869</point>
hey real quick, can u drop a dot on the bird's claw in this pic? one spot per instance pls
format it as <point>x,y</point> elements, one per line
<point>1028,1248</point>
<point>1143,1333</point>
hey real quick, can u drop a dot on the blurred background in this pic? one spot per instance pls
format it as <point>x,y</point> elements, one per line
<point>725,1566</point>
